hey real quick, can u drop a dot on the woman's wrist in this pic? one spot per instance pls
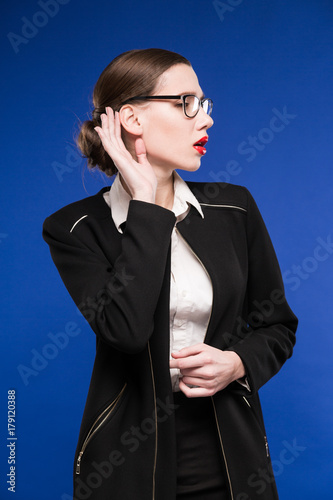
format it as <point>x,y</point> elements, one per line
<point>239,368</point>
<point>146,197</point>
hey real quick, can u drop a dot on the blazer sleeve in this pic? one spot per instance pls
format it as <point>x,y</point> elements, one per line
<point>119,298</point>
<point>271,325</point>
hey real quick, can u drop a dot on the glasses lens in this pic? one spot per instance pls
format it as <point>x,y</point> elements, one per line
<point>207,106</point>
<point>191,104</point>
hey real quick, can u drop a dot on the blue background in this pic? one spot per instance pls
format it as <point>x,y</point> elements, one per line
<point>254,57</point>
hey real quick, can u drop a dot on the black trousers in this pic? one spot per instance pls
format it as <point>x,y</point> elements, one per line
<point>201,473</point>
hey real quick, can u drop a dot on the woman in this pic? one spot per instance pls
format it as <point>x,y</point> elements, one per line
<point>181,285</point>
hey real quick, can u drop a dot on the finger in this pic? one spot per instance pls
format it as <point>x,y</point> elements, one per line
<point>111,139</point>
<point>117,130</point>
<point>198,382</point>
<point>187,363</point>
<point>105,126</point>
<point>189,351</point>
<point>109,147</point>
<point>199,372</point>
<point>101,134</point>
<point>140,151</point>
<point>110,122</point>
<point>194,392</point>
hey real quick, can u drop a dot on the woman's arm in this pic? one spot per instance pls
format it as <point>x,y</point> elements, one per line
<point>117,298</point>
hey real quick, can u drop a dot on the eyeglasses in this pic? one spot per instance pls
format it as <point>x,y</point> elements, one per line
<point>191,103</point>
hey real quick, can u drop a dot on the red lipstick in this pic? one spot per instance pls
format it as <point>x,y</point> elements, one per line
<point>200,145</point>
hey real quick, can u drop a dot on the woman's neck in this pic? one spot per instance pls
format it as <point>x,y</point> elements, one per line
<point>165,192</point>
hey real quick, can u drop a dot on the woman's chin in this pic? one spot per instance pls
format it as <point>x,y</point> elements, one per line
<point>193,167</point>
<point>190,166</point>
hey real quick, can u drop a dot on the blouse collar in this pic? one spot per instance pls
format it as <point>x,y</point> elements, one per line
<point>118,200</point>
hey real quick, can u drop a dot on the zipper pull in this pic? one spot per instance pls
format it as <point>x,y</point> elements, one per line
<point>266,446</point>
<point>78,463</point>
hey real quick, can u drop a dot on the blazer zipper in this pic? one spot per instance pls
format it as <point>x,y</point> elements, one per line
<point>102,417</point>
<point>266,446</point>
<point>246,401</point>
<point>224,206</point>
<point>155,415</point>
<point>222,448</point>
<point>265,437</point>
<point>213,402</point>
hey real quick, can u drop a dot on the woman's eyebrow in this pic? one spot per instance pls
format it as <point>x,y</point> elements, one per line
<point>192,93</point>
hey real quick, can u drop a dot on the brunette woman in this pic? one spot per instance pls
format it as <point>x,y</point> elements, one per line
<point>181,285</point>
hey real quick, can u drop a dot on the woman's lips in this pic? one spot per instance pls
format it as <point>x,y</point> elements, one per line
<point>200,145</point>
<point>200,149</point>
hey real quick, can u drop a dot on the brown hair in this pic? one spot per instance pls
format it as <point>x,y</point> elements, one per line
<point>130,74</point>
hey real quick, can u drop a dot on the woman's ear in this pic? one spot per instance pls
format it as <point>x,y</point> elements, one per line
<point>130,119</point>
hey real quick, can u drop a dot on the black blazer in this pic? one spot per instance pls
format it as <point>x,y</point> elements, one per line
<point>120,283</point>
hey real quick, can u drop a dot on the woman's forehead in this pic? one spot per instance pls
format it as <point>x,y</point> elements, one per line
<point>179,79</point>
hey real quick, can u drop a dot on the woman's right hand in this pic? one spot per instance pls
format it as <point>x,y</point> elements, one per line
<point>138,175</point>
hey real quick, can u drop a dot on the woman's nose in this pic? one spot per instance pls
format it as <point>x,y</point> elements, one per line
<point>204,120</point>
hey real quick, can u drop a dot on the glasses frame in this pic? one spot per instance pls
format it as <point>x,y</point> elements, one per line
<point>178,97</point>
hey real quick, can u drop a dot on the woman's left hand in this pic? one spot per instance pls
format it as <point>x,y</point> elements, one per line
<point>208,369</point>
